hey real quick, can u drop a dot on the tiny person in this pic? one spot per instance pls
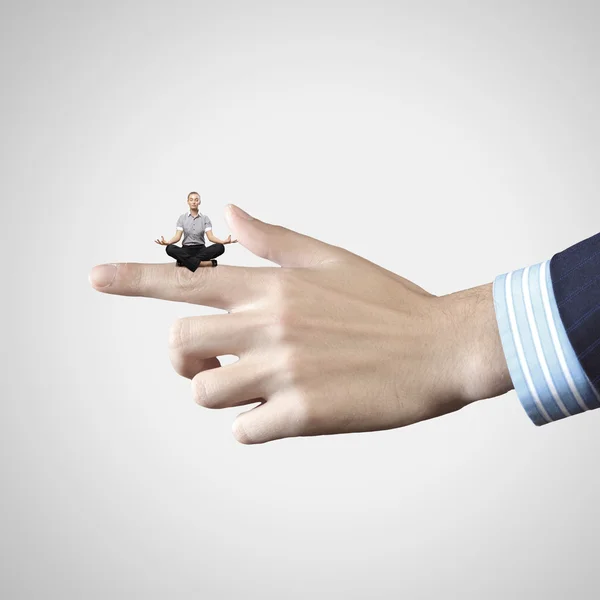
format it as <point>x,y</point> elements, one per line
<point>193,253</point>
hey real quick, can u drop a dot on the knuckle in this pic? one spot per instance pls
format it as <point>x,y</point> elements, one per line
<point>185,280</point>
<point>290,368</point>
<point>283,320</point>
<point>136,276</point>
<point>178,334</point>
<point>204,393</point>
<point>199,391</point>
<point>281,327</point>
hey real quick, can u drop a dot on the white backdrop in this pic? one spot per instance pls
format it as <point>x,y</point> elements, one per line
<point>447,141</point>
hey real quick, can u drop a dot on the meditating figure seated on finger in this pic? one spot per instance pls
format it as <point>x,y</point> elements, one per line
<point>192,225</point>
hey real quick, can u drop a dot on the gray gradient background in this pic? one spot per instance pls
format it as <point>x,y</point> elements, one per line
<point>413,134</point>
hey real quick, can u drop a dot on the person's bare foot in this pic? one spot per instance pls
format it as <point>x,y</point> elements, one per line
<point>205,263</point>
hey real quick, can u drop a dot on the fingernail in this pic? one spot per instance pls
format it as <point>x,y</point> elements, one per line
<point>103,275</point>
<point>240,213</point>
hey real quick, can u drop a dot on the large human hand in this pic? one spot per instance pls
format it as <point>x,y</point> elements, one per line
<point>162,241</point>
<point>328,343</point>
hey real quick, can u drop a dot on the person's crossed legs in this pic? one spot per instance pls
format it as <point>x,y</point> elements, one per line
<point>193,256</point>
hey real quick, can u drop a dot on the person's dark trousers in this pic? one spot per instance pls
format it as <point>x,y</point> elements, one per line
<point>191,256</point>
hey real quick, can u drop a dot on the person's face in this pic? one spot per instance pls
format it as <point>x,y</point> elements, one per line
<point>194,201</point>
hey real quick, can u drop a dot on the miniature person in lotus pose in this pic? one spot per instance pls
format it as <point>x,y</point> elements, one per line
<point>193,253</point>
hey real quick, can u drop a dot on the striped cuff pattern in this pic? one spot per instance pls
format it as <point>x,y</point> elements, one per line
<point>548,378</point>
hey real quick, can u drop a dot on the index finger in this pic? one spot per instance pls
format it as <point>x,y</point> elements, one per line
<point>224,287</point>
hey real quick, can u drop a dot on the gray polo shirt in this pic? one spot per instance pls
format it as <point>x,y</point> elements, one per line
<point>193,228</point>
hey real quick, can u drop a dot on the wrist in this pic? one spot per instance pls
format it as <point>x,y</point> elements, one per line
<point>479,357</point>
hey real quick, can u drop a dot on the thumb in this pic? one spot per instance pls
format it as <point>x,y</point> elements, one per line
<point>276,243</point>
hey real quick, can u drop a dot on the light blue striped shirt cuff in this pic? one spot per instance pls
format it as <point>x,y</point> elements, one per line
<point>548,378</point>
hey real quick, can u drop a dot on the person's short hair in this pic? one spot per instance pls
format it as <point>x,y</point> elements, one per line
<point>197,194</point>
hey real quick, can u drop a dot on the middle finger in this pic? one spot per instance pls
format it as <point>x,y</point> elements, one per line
<point>195,339</point>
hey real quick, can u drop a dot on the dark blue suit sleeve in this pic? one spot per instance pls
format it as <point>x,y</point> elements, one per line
<point>575,274</point>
